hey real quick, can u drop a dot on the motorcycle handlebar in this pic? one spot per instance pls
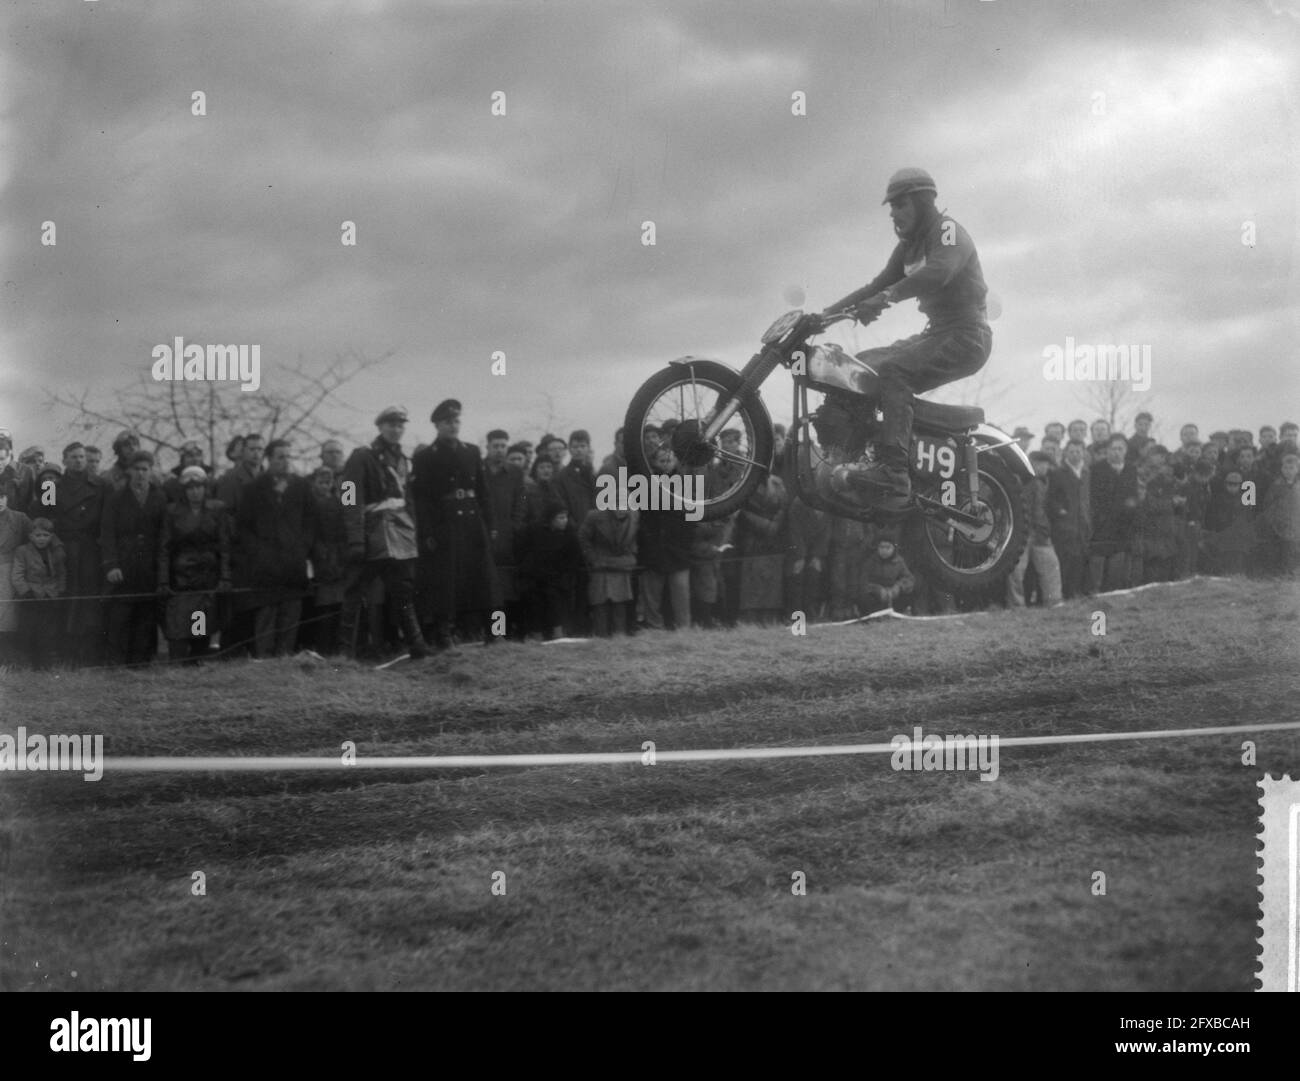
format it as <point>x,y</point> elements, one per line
<point>829,319</point>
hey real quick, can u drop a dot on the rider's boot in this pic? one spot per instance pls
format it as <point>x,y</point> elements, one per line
<point>887,476</point>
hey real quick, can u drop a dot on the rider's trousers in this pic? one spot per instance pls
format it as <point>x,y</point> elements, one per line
<point>936,356</point>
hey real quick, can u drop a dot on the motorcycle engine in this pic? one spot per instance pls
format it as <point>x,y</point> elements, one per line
<point>842,429</point>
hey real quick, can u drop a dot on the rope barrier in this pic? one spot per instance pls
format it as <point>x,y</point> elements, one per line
<point>484,761</point>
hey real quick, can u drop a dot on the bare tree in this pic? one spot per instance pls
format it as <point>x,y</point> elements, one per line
<point>1113,401</point>
<point>980,389</point>
<point>554,421</point>
<point>168,415</point>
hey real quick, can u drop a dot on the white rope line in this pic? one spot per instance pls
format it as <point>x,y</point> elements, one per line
<point>723,754</point>
<point>889,613</point>
<point>1153,585</point>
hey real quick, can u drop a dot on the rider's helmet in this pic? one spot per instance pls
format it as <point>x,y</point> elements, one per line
<point>908,180</point>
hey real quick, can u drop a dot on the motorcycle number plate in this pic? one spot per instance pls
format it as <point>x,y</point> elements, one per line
<point>931,458</point>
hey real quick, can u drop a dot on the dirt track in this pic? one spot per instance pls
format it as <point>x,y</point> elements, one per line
<point>674,876</point>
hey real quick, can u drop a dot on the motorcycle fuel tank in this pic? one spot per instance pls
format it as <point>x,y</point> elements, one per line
<point>829,366</point>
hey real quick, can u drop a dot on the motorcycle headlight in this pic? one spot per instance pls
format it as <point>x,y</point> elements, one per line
<point>782,327</point>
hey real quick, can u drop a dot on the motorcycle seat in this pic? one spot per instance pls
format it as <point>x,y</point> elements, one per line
<point>946,416</point>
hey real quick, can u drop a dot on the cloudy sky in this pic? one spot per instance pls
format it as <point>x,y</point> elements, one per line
<point>1103,156</point>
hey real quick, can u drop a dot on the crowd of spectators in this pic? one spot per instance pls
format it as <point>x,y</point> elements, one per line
<point>366,553</point>
<point>1112,511</point>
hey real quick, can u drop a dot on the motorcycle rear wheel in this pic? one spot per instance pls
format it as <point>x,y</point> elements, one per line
<point>691,393</point>
<point>955,564</point>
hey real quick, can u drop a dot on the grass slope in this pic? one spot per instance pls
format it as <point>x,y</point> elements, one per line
<point>671,876</point>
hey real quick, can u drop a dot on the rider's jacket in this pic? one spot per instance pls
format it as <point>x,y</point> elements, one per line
<point>939,266</point>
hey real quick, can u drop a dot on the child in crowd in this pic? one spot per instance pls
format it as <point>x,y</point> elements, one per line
<point>886,581</point>
<point>608,540</point>
<point>40,575</point>
<point>549,560</point>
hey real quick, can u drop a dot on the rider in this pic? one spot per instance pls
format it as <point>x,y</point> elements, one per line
<point>934,261</point>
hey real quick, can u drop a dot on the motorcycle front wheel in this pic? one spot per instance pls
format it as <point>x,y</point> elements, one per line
<point>692,393</point>
<point>956,563</point>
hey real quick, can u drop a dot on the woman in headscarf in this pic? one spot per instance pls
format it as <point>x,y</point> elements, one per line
<point>193,563</point>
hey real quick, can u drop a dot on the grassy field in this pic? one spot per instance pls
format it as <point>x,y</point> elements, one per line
<point>672,877</point>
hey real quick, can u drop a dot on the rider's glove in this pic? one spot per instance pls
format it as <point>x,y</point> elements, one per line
<point>868,311</point>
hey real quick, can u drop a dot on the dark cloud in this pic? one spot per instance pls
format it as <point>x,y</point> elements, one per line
<point>522,233</point>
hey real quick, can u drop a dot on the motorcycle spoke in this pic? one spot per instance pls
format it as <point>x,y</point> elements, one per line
<point>729,457</point>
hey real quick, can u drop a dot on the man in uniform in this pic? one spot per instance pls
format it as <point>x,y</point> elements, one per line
<point>453,518</point>
<point>380,534</point>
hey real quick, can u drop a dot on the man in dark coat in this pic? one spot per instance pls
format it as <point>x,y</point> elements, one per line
<point>381,536</point>
<point>1140,440</point>
<point>1041,506</point>
<point>277,528</point>
<point>77,513</point>
<point>329,560</point>
<point>10,473</point>
<point>505,486</point>
<point>664,545</point>
<point>237,629</point>
<point>1114,497</point>
<point>1068,508</point>
<point>576,482</point>
<point>454,521</point>
<point>118,475</point>
<point>231,483</point>
<point>128,542</point>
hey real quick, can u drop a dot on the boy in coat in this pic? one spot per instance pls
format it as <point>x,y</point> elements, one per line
<point>608,540</point>
<point>886,581</point>
<point>40,575</point>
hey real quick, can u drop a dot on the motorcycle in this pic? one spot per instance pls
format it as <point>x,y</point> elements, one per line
<point>964,523</point>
